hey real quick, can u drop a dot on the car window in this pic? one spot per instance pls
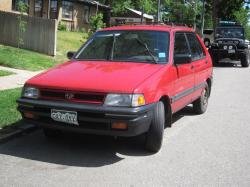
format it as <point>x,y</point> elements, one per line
<point>195,47</point>
<point>181,46</point>
<point>98,48</point>
<point>127,46</point>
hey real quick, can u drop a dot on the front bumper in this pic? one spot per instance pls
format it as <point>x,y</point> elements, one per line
<point>222,53</point>
<point>93,119</point>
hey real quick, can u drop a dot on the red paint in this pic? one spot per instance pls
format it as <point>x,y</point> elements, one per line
<point>152,80</point>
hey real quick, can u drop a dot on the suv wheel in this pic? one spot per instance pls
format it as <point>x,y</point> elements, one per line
<point>155,133</point>
<point>51,133</point>
<point>215,60</point>
<point>200,105</point>
<point>245,60</point>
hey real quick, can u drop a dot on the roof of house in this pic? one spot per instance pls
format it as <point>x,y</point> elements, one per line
<point>147,16</point>
<point>94,3</point>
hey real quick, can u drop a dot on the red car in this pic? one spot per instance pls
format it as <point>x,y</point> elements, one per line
<point>124,81</point>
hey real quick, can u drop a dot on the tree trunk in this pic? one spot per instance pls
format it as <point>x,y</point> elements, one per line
<point>215,11</point>
<point>107,13</point>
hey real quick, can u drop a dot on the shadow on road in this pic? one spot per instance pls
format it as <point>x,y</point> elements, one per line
<point>228,64</point>
<point>77,149</point>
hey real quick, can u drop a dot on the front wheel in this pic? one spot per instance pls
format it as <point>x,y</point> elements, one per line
<point>155,133</point>
<point>200,105</point>
<point>245,60</point>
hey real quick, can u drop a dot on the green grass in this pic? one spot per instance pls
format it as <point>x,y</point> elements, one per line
<point>67,41</point>
<point>5,73</point>
<point>29,60</point>
<point>8,113</point>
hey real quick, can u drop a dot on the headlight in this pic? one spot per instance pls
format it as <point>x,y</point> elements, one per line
<point>30,92</point>
<point>127,100</point>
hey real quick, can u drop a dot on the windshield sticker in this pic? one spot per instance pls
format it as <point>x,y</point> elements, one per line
<point>162,55</point>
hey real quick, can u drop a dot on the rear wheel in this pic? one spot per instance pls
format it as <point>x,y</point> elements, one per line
<point>51,133</point>
<point>245,60</point>
<point>155,133</point>
<point>200,105</point>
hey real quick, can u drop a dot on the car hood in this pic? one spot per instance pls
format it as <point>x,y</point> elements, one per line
<point>119,77</point>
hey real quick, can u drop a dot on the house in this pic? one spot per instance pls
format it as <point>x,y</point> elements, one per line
<point>131,16</point>
<point>74,13</point>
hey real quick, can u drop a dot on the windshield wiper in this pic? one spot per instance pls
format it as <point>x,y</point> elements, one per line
<point>148,50</point>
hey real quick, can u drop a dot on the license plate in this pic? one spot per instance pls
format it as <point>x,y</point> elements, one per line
<point>231,51</point>
<point>64,116</point>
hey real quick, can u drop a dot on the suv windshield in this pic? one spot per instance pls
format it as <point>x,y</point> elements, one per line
<point>229,32</point>
<point>127,46</point>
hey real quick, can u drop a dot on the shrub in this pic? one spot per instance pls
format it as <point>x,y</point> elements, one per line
<point>62,26</point>
<point>96,22</point>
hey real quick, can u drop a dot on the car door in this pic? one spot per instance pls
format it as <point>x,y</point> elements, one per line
<point>184,83</point>
<point>199,62</point>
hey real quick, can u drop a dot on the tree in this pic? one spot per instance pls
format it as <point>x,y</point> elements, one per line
<point>242,17</point>
<point>179,12</point>
<point>223,9</point>
<point>22,24</point>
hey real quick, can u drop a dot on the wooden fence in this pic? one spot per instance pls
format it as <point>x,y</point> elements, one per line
<point>40,34</point>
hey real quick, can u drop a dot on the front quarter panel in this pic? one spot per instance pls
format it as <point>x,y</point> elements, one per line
<point>158,85</point>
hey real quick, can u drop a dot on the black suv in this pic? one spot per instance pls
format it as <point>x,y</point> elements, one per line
<point>230,43</point>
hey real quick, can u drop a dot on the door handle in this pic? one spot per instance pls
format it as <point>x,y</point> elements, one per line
<point>192,66</point>
<point>206,62</point>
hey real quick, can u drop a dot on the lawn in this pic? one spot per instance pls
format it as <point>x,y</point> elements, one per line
<point>8,112</point>
<point>29,60</point>
<point>5,73</point>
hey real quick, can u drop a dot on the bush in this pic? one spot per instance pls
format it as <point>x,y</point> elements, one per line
<point>62,26</point>
<point>96,22</point>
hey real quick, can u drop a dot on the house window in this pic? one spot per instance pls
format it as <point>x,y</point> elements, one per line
<point>38,8</point>
<point>86,14</point>
<point>15,4</point>
<point>67,10</point>
<point>53,9</point>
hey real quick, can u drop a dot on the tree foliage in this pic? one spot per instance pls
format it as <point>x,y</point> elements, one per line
<point>186,11</point>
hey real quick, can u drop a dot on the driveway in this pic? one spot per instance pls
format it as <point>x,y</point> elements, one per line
<point>199,150</point>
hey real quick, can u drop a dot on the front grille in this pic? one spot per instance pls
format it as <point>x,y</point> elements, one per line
<point>72,96</point>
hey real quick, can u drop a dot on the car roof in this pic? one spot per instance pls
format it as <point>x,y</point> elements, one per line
<point>168,28</point>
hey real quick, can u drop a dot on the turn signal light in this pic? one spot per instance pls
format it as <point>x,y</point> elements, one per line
<point>119,126</point>
<point>29,115</point>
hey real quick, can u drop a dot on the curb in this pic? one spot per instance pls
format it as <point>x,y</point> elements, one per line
<point>15,130</point>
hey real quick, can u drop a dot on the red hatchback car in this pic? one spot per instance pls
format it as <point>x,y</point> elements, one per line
<point>124,81</point>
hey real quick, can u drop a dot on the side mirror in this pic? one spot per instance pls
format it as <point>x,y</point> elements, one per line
<point>70,54</point>
<point>182,59</point>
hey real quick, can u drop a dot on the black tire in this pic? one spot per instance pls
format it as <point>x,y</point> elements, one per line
<point>155,133</point>
<point>245,60</point>
<point>215,61</point>
<point>51,133</point>
<point>200,105</point>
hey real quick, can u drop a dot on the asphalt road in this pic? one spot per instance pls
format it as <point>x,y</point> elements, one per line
<point>199,150</point>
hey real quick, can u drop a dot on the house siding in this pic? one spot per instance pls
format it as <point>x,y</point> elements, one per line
<point>77,23</point>
<point>6,5</point>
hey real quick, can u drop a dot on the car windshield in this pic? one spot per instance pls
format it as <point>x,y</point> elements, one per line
<point>127,46</point>
<point>229,32</point>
